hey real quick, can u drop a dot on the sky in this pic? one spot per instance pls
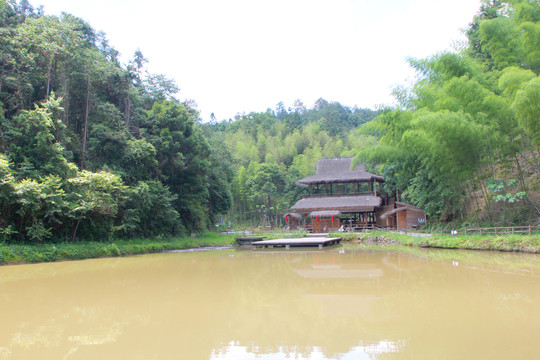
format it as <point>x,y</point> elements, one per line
<point>236,56</point>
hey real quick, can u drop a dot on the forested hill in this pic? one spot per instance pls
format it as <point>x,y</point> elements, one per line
<point>270,151</point>
<point>463,143</point>
<point>90,148</point>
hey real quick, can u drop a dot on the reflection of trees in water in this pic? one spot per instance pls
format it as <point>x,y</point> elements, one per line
<point>193,305</point>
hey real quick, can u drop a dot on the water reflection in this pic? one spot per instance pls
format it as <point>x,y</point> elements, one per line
<point>238,352</point>
<point>331,304</point>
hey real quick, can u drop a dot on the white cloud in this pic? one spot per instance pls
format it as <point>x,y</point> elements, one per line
<point>244,55</point>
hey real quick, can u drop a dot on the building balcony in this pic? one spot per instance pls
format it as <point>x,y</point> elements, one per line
<point>376,193</point>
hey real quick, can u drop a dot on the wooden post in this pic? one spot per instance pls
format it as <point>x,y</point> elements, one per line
<point>465,231</point>
<point>530,232</point>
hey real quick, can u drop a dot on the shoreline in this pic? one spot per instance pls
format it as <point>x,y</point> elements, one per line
<point>18,254</point>
<point>503,243</point>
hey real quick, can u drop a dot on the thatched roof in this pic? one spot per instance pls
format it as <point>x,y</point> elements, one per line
<point>408,206</point>
<point>338,170</point>
<point>325,213</point>
<point>401,206</point>
<point>392,212</point>
<point>340,203</point>
<point>293,215</point>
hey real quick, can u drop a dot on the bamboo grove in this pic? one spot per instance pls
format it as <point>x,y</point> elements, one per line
<point>464,141</point>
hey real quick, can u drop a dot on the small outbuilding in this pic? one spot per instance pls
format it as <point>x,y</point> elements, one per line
<point>404,216</point>
<point>293,220</point>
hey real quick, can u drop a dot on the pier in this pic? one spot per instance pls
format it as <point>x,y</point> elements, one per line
<point>298,242</point>
<point>248,240</point>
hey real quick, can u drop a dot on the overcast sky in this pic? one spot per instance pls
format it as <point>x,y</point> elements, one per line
<point>235,56</point>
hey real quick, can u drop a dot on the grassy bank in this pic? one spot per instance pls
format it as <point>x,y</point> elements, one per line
<point>33,253</point>
<point>515,243</point>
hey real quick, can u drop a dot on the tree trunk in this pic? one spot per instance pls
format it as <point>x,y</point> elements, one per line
<point>471,184</point>
<point>127,104</point>
<point>520,174</point>
<point>66,100</point>
<point>486,198</point>
<point>49,76</point>
<point>75,230</point>
<point>85,132</point>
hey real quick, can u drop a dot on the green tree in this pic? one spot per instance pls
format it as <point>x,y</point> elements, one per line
<point>527,106</point>
<point>31,142</point>
<point>149,211</point>
<point>94,200</point>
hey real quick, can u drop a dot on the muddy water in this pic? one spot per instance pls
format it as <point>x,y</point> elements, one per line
<point>228,304</point>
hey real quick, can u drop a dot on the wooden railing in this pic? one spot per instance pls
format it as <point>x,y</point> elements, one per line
<point>502,230</point>
<point>344,225</point>
<point>508,230</point>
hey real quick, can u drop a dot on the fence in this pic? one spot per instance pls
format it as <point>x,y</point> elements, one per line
<point>509,230</point>
<point>529,230</point>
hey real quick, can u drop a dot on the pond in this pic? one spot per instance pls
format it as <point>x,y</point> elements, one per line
<point>338,303</point>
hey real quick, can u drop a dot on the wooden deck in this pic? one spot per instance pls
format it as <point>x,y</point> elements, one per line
<point>298,242</point>
<point>248,240</point>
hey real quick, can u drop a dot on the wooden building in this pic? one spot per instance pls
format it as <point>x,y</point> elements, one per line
<point>404,216</point>
<point>342,197</point>
<point>292,220</point>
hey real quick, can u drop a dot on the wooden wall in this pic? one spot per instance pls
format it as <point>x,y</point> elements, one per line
<point>389,221</point>
<point>402,219</point>
<point>412,218</point>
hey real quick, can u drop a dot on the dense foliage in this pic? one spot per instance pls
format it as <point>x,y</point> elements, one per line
<point>272,150</point>
<point>464,141</point>
<point>90,148</point>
